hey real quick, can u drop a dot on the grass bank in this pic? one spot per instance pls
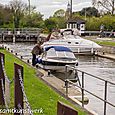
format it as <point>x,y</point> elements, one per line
<point>106,43</point>
<point>102,41</point>
<point>39,94</point>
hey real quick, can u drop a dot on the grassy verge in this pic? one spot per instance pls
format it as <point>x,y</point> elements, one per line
<point>106,43</point>
<point>102,42</point>
<point>38,93</point>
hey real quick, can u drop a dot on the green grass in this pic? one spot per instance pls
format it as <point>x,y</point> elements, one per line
<point>103,42</point>
<point>38,93</point>
<point>106,43</point>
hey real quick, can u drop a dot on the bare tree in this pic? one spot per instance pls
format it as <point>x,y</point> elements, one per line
<point>108,5</point>
<point>18,7</point>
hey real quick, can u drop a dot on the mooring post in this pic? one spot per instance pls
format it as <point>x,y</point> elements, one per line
<point>82,89</point>
<point>2,79</point>
<point>66,86</point>
<point>14,37</point>
<point>18,90</point>
<point>64,109</point>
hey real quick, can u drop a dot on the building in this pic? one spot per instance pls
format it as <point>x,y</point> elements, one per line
<point>76,23</point>
<point>68,11</point>
<point>73,23</point>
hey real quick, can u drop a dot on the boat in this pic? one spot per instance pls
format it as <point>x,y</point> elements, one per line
<point>74,42</point>
<point>56,57</point>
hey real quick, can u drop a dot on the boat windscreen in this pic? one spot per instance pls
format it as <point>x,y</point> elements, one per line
<point>58,48</point>
<point>51,53</point>
<point>70,55</point>
<point>57,54</point>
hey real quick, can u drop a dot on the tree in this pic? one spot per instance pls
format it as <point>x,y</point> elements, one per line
<point>59,13</point>
<point>5,16</point>
<point>108,5</point>
<point>18,7</point>
<point>50,24</point>
<point>35,19</point>
<point>89,11</point>
<point>59,18</point>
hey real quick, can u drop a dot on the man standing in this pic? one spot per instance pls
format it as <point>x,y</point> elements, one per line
<point>37,50</point>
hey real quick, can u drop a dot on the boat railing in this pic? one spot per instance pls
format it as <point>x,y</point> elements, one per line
<point>83,89</point>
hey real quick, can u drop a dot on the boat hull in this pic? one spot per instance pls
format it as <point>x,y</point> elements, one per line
<point>56,66</point>
<point>77,49</point>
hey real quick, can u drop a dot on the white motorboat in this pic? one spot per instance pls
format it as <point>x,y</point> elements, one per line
<point>56,57</point>
<point>75,43</point>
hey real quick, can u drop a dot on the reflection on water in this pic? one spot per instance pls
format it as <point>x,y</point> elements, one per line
<point>101,67</point>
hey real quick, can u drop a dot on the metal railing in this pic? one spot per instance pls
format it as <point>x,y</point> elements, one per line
<point>83,89</point>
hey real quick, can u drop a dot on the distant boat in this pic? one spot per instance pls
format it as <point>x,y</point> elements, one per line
<point>56,57</point>
<point>75,43</point>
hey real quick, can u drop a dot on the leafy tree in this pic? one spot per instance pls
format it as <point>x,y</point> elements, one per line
<point>89,11</point>
<point>59,18</point>
<point>35,19</point>
<point>59,13</point>
<point>5,15</point>
<point>50,24</point>
<point>94,23</point>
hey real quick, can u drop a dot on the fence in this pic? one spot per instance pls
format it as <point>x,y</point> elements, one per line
<point>63,109</point>
<point>83,89</point>
<point>20,100</point>
<point>19,34</point>
<point>19,90</point>
<point>4,83</point>
<point>20,95</point>
<point>97,33</point>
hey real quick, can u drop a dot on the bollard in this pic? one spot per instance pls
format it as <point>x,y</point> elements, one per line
<point>8,49</point>
<point>66,86</point>
<point>103,53</point>
<point>11,51</point>
<point>28,61</point>
<point>21,57</point>
<point>36,66</point>
<point>3,46</point>
<point>16,54</point>
<point>49,72</point>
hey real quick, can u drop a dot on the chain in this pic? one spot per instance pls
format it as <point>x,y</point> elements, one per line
<point>24,94</point>
<point>9,81</point>
<point>4,96</point>
<point>4,70</point>
<point>20,108</point>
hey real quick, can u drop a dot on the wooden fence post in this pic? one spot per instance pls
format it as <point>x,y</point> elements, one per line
<point>2,77</point>
<point>63,109</point>
<point>18,90</point>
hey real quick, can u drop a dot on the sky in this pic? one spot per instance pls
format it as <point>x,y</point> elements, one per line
<point>48,7</point>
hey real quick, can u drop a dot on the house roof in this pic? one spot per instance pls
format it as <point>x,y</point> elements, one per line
<point>76,20</point>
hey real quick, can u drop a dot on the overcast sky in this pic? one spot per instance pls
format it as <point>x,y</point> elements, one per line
<point>48,7</point>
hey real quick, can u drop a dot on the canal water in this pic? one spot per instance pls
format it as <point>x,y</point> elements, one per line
<point>101,67</point>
